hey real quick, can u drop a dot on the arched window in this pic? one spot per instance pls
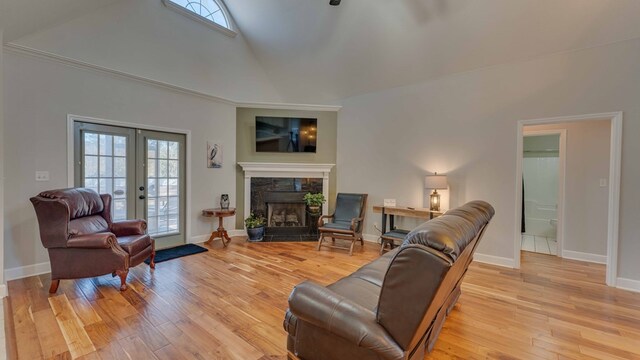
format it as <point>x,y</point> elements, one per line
<point>208,11</point>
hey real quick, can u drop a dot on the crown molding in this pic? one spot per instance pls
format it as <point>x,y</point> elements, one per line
<point>41,54</point>
<point>285,106</point>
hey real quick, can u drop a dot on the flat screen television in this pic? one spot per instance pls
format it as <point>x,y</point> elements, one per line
<point>286,134</point>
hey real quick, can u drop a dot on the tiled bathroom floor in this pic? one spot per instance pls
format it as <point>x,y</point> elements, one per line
<point>539,244</point>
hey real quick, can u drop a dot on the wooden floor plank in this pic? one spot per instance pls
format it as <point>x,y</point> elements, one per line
<point>49,334</point>
<point>229,303</point>
<point>74,334</point>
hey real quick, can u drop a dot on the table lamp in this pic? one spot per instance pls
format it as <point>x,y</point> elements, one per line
<point>435,182</point>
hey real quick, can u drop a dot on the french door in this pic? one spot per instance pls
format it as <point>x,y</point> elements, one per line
<point>144,171</point>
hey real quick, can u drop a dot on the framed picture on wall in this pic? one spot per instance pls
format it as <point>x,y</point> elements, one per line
<point>214,154</point>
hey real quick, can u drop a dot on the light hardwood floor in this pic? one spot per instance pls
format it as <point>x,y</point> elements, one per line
<point>229,304</point>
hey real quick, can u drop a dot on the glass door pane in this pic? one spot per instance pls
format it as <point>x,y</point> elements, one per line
<point>163,205</point>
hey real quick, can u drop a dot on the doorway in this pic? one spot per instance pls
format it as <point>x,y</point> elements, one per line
<point>543,173</point>
<point>610,184</point>
<point>143,171</point>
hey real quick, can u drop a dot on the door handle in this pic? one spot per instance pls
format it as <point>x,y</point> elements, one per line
<point>141,188</point>
<point>142,197</point>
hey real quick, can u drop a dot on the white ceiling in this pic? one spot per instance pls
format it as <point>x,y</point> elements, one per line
<point>23,17</point>
<point>314,52</point>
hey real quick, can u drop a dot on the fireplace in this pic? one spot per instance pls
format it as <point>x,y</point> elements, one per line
<point>275,191</point>
<point>281,202</point>
<point>285,209</point>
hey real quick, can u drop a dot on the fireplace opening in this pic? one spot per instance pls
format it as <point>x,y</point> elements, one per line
<point>285,209</point>
<point>286,214</point>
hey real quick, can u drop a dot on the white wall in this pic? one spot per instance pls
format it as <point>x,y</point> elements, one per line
<point>146,39</point>
<point>39,95</point>
<point>2,288</point>
<point>466,126</point>
<point>587,160</point>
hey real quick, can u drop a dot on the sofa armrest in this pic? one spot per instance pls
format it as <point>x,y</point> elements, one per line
<point>103,240</point>
<point>342,317</point>
<point>129,227</point>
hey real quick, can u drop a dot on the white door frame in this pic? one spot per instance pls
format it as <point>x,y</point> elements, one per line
<point>615,156</point>
<point>562,163</point>
<point>70,159</point>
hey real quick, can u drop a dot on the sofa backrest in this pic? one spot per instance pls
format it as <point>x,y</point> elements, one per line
<point>81,201</point>
<point>426,269</point>
<point>65,212</point>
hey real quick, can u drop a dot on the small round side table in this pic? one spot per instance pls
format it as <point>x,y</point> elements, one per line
<point>221,232</point>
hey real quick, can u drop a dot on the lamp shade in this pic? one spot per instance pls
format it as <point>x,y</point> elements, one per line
<point>435,182</point>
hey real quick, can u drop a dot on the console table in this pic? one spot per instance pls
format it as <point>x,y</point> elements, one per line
<point>221,232</point>
<point>388,237</point>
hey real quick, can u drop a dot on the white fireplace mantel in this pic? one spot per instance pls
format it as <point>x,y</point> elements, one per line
<point>284,170</point>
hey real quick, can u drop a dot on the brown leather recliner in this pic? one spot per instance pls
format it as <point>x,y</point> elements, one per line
<point>394,307</point>
<point>83,241</point>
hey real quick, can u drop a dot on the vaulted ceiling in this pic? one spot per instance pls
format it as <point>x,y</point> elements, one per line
<point>312,50</point>
<point>315,53</point>
<point>23,17</point>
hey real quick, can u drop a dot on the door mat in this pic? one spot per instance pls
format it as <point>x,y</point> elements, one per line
<point>176,252</point>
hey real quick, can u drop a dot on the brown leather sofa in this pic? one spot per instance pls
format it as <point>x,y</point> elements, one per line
<point>395,306</point>
<point>83,241</point>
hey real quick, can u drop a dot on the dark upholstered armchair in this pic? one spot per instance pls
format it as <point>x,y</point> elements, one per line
<point>347,221</point>
<point>83,241</point>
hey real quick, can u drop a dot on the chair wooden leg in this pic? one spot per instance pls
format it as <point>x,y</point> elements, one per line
<point>123,278</point>
<point>351,247</point>
<point>152,263</point>
<point>54,286</point>
<point>320,240</point>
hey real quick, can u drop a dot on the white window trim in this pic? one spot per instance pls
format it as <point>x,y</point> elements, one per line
<point>211,24</point>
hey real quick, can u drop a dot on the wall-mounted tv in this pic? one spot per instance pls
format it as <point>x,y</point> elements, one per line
<point>286,134</point>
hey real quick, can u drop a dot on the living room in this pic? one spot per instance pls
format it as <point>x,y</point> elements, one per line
<point>399,92</point>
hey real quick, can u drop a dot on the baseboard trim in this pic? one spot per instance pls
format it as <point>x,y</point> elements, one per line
<point>3,291</point>
<point>26,271</point>
<point>494,260</point>
<point>371,238</point>
<point>628,284</point>
<point>237,232</point>
<point>581,256</point>
<point>199,239</point>
<point>202,238</point>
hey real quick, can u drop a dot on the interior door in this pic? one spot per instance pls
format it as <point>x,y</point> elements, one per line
<point>144,171</point>
<point>161,185</point>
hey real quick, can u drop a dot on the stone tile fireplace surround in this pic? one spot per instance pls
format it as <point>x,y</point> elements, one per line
<point>275,191</point>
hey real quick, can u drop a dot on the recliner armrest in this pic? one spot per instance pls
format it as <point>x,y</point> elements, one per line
<point>342,317</point>
<point>129,227</point>
<point>103,240</point>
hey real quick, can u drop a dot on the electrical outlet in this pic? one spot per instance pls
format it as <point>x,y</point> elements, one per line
<point>603,182</point>
<point>390,202</point>
<point>42,176</point>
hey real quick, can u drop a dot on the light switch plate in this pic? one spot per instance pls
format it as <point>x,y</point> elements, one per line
<point>42,176</point>
<point>390,202</point>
